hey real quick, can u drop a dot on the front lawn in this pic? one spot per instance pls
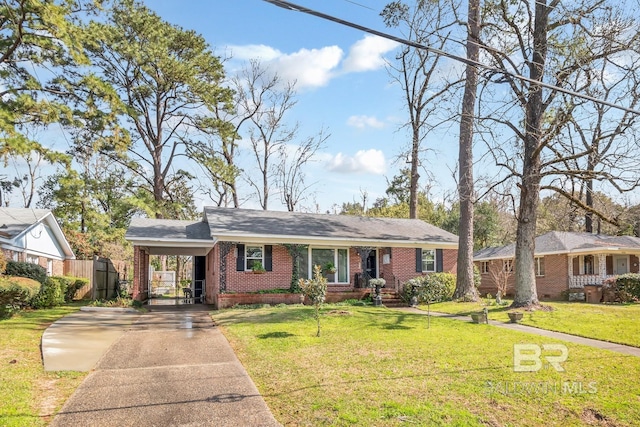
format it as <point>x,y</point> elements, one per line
<point>31,396</point>
<point>375,366</point>
<point>607,322</point>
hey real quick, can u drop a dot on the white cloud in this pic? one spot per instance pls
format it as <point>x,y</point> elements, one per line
<point>254,51</point>
<point>362,122</point>
<point>308,67</point>
<point>364,161</point>
<point>367,54</point>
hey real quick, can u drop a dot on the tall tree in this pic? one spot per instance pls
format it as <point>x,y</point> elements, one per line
<point>465,284</point>
<point>418,73</point>
<point>165,80</point>
<point>34,34</point>
<point>549,42</point>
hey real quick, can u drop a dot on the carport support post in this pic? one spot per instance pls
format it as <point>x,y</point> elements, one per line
<point>140,274</point>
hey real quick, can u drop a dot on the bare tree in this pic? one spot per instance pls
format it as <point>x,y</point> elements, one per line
<point>418,72</point>
<point>291,178</point>
<point>550,43</point>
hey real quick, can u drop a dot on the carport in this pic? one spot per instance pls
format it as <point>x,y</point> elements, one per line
<point>172,237</point>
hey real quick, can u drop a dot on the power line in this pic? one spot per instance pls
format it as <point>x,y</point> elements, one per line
<point>297,8</point>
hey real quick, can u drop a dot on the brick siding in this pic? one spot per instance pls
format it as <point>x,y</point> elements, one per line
<point>401,268</point>
<point>549,286</point>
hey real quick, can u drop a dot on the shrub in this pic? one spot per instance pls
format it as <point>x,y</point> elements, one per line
<point>26,269</point>
<point>16,294</point>
<point>623,288</point>
<point>51,293</point>
<point>73,285</point>
<point>3,262</point>
<point>434,287</point>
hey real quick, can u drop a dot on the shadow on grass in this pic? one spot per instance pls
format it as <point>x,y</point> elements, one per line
<point>278,334</point>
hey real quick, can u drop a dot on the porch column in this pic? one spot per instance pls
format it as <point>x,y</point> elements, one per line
<point>570,269</point>
<point>602,265</point>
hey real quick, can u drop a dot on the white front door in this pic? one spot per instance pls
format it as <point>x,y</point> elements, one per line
<point>622,265</point>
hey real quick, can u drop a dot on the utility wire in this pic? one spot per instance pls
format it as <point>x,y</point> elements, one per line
<point>297,8</point>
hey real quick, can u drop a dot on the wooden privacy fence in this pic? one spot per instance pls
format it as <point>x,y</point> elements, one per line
<point>103,274</point>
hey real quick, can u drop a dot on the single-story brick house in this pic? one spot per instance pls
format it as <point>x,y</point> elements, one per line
<point>564,262</point>
<point>227,242</point>
<point>33,235</point>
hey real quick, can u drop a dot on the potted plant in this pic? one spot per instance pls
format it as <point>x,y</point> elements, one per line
<point>257,268</point>
<point>481,316</point>
<point>515,316</point>
<point>330,268</point>
<point>377,284</point>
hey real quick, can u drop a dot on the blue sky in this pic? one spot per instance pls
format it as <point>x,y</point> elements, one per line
<point>342,85</point>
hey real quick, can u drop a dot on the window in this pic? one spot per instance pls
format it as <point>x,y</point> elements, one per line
<point>539,261</point>
<point>428,260</point>
<point>338,257</point>
<point>49,267</point>
<point>253,255</point>
<point>32,259</point>
<point>484,267</point>
<point>588,264</point>
<point>508,265</point>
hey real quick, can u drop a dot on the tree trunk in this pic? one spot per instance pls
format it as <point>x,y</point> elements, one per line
<point>588,216</point>
<point>415,176</point>
<point>525,278</point>
<point>465,286</point>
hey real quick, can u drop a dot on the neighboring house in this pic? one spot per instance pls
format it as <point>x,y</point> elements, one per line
<point>564,262</point>
<point>226,243</point>
<point>33,235</point>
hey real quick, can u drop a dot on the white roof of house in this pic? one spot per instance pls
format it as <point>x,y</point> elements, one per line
<point>559,242</point>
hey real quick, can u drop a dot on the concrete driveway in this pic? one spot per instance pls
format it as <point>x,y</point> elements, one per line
<point>171,368</point>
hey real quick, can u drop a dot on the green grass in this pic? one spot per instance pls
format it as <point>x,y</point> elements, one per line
<point>379,367</point>
<point>607,322</point>
<point>31,396</point>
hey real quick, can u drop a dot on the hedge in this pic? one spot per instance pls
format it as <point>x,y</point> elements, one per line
<point>26,269</point>
<point>16,294</point>
<point>57,290</point>
<point>433,287</point>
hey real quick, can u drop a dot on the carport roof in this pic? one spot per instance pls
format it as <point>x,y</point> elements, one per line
<point>163,229</point>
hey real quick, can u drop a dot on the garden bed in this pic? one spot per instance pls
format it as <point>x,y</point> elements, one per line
<point>229,300</point>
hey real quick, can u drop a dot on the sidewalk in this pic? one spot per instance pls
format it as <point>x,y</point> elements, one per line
<point>604,345</point>
<point>168,368</point>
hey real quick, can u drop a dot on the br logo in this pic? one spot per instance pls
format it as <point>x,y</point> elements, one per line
<point>528,357</point>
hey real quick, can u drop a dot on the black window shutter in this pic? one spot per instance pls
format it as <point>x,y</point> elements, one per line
<point>439,261</point>
<point>240,259</point>
<point>419,260</point>
<point>268,257</point>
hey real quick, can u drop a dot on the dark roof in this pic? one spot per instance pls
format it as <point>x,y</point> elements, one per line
<point>227,221</point>
<point>145,228</point>
<point>564,242</point>
<point>14,221</point>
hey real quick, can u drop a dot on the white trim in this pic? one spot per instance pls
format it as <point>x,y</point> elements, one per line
<point>335,262</point>
<point>255,245</point>
<point>331,241</point>
<point>435,260</point>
